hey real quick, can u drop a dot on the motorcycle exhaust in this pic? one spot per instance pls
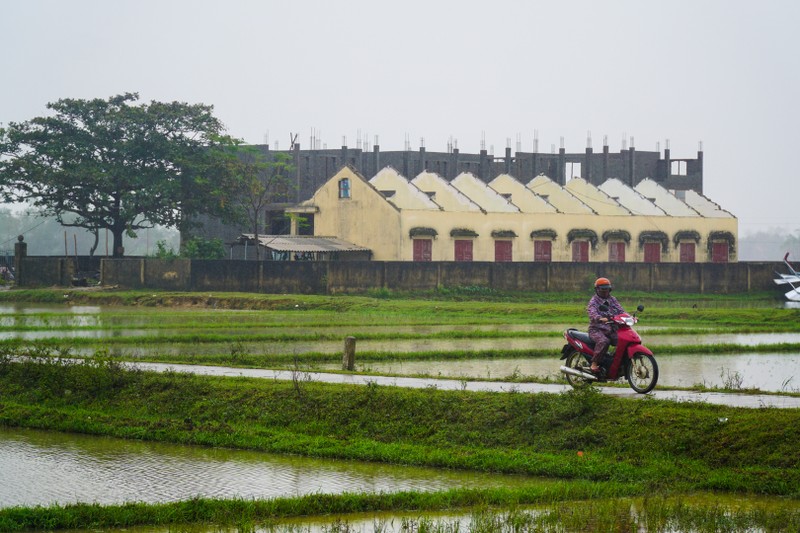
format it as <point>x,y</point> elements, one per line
<point>578,373</point>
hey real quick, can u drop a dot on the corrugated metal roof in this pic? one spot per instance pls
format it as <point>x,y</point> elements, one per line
<point>303,243</point>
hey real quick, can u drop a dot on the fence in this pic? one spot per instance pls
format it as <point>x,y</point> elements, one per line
<point>301,277</point>
<point>331,277</point>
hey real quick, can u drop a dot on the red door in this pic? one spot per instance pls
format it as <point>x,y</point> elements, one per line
<point>543,251</point>
<point>463,250</point>
<point>616,252</point>
<point>719,252</point>
<point>423,249</point>
<point>652,252</point>
<point>687,252</point>
<point>502,251</point>
<point>580,251</point>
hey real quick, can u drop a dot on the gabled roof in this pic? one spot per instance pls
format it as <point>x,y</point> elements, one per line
<point>595,198</point>
<point>346,172</point>
<point>489,199</point>
<point>664,199</point>
<point>704,206</point>
<point>557,196</point>
<point>444,194</point>
<point>400,192</point>
<point>524,198</point>
<point>632,199</point>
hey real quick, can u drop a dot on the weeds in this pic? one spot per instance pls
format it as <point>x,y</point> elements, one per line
<point>483,512</point>
<point>731,379</point>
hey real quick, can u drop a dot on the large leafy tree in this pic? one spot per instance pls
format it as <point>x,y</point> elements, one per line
<point>259,184</point>
<point>117,165</point>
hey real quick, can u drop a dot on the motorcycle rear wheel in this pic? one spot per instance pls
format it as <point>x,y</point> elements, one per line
<point>577,361</point>
<point>642,372</point>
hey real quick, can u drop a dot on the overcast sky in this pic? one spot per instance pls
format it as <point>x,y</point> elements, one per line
<point>722,72</point>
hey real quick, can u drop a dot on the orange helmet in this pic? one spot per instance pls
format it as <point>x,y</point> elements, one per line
<point>602,283</point>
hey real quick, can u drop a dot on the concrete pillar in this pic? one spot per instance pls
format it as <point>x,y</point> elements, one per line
<point>631,165</point>
<point>587,166</point>
<point>561,172</point>
<point>508,160</point>
<point>349,356</point>
<point>297,172</point>
<point>20,251</point>
<point>484,166</point>
<point>605,162</point>
<point>376,160</point>
<point>423,163</point>
<point>700,168</point>
<point>452,172</point>
<point>667,163</point>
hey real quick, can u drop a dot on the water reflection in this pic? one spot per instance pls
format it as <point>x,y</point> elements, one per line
<point>439,345</point>
<point>76,316</point>
<point>45,468</point>
<point>767,372</point>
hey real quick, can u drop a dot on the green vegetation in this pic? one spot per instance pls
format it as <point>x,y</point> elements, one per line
<point>597,444</point>
<point>556,510</point>
<point>194,248</point>
<point>83,164</point>
<point>602,449</point>
<point>264,331</point>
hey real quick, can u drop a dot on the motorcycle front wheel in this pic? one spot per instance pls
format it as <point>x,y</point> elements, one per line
<point>642,372</point>
<point>577,361</point>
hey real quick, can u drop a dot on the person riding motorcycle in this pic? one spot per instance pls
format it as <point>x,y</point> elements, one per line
<point>601,330</point>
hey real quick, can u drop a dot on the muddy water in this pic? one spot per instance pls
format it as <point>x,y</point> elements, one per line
<point>45,468</point>
<point>767,372</point>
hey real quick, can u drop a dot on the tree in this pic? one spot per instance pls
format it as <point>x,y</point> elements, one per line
<point>259,182</point>
<point>108,164</point>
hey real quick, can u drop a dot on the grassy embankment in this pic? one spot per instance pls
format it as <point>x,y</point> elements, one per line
<point>626,448</point>
<point>599,446</point>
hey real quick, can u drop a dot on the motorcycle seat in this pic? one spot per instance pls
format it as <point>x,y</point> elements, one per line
<point>581,336</point>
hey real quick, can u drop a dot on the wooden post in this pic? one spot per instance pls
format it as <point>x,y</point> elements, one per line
<point>349,357</point>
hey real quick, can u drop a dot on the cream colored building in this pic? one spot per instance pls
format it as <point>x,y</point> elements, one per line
<point>428,218</point>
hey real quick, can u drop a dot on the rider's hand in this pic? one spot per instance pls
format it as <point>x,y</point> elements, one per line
<point>603,319</point>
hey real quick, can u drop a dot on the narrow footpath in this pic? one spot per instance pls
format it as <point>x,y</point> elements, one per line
<point>716,398</point>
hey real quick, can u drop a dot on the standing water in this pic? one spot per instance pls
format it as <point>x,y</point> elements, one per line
<point>47,468</point>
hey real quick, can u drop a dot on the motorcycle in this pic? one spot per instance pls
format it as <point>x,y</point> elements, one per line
<point>630,358</point>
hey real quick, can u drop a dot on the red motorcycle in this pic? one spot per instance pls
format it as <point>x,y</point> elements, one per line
<point>630,358</point>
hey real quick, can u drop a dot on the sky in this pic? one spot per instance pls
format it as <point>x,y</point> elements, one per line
<point>721,74</point>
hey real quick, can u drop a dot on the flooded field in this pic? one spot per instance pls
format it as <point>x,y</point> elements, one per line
<point>767,372</point>
<point>46,468</point>
<point>288,332</point>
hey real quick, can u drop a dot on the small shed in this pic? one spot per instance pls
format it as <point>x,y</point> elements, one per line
<point>302,248</point>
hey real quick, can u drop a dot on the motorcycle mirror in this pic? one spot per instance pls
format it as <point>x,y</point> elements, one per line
<point>640,308</point>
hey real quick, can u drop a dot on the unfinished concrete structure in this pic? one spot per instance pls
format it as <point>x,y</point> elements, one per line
<point>313,167</point>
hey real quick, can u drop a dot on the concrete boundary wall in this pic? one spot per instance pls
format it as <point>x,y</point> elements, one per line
<point>336,277</point>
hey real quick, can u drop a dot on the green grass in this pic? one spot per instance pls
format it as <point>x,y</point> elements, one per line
<point>599,446</point>
<point>627,448</point>
<point>575,507</point>
<point>645,443</point>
